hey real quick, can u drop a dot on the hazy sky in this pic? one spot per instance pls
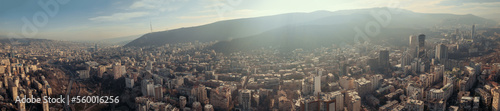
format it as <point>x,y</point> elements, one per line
<point>100,19</point>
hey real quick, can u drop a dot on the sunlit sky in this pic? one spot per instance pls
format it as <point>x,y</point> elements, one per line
<point>102,19</point>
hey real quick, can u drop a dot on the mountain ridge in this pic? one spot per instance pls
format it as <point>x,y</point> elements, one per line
<point>237,30</point>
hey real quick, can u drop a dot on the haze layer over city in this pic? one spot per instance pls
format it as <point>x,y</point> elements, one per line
<point>250,55</point>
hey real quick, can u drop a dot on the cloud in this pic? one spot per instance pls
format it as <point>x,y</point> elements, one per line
<point>148,4</point>
<point>170,9</point>
<point>196,17</point>
<point>162,5</point>
<point>461,2</point>
<point>119,16</point>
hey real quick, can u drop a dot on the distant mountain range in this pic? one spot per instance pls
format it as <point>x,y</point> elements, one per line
<point>225,30</point>
<point>23,41</point>
<point>120,40</point>
<point>306,30</point>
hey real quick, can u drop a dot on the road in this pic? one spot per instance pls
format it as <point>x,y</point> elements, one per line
<point>66,106</point>
<point>72,79</point>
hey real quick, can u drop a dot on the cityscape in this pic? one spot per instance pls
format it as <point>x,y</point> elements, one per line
<point>366,59</point>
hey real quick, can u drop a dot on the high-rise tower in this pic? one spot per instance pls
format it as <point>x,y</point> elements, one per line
<point>413,41</point>
<point>421,45</point>
<point>473,31</point>
<point>421,40</point>
<point>317,81</point>
<point>383,58</point>
<point>441,52</point>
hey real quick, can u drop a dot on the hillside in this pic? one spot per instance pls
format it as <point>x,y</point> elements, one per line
<point>307,30</point>
<point>225,30</point>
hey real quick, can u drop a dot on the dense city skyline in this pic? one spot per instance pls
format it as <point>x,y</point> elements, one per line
<point>186,55</point>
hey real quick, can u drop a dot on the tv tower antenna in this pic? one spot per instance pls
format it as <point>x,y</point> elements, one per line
<point>150,26</point>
